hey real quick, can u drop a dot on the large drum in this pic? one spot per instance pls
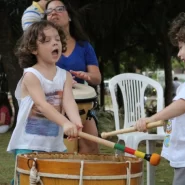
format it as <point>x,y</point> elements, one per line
<point>85,97</point>
<point>70,169</point>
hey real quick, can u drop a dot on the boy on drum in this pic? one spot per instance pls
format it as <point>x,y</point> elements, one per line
<point>44,93</point>
<point>174,142</point>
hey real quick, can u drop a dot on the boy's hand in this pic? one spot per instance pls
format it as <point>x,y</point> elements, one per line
<point>141,124</point>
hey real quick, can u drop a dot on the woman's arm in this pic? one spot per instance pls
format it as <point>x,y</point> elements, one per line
<point>92,76</point>
<point>92,65</point>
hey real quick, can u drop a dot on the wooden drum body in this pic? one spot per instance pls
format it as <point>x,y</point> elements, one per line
<point>70,169</point>
<point>85,97</point>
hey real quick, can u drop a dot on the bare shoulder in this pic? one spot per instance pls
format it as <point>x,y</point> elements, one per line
<point>29,77</point>
<point>29,81</point>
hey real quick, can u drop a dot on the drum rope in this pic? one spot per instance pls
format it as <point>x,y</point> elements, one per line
<point>81,173</point>
<point>128,172</point>
<point>15,173</point>
<point>34,177</point>
<point>67,176</point>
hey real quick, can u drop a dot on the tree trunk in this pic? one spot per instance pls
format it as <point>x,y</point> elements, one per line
<point>168,70</point>
<point>99,48</point>
<point>102,88</point>
<point>117,72</point>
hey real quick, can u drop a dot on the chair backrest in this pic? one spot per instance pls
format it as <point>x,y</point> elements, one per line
<point>133,88</point>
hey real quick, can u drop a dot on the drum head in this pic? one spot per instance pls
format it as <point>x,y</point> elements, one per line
<point>83,92</point>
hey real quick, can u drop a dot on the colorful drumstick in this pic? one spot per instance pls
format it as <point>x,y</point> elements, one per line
<point>154,158</point>
<point>131,129</point>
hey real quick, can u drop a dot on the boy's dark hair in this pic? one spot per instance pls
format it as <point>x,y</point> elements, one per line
<point>28,42</point>
<point>177,29</point>
<point>76,30</point>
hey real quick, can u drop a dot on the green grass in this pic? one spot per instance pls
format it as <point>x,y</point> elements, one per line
<point>164,173</point>
<point>6,160</point>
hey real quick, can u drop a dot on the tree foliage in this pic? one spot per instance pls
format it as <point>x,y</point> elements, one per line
<point>124,33</point>
<point>131,28</point>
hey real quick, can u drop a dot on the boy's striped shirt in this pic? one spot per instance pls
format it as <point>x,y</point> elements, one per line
<point>32,14</point>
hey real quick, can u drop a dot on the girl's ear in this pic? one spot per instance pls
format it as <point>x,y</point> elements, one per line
<point>34,52</point>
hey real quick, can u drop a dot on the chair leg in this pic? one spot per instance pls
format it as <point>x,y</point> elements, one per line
<point>150,148</point>
<point>135,145</point>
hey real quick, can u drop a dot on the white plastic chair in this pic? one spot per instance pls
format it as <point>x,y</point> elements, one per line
<point>133,88</point>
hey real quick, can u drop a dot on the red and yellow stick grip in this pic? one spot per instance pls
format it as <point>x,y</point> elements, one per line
<point>154,158</point>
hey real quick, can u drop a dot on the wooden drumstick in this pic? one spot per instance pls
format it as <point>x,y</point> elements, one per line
<point>131,129</point>
<point>154,158</point>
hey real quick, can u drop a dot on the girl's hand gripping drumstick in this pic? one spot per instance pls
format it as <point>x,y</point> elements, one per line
<point>131,129</point>
<point>154,158</point>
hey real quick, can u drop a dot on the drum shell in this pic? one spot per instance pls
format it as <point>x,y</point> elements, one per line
<point>84,107</point>
<point>85,97</point>
<point>71,145</point>
<point>99,168</point>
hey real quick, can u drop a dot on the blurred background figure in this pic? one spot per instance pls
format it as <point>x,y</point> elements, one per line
<point>5,112</point>
<point>176,84</point>
<point>33,13</point>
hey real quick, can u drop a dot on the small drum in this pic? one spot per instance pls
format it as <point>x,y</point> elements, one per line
<point>70,169</point>
<point>85,97</point>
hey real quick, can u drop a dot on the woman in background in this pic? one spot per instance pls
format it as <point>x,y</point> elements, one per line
<point>80,58</point>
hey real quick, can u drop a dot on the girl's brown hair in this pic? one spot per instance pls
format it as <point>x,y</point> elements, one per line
<point>28,42</point>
